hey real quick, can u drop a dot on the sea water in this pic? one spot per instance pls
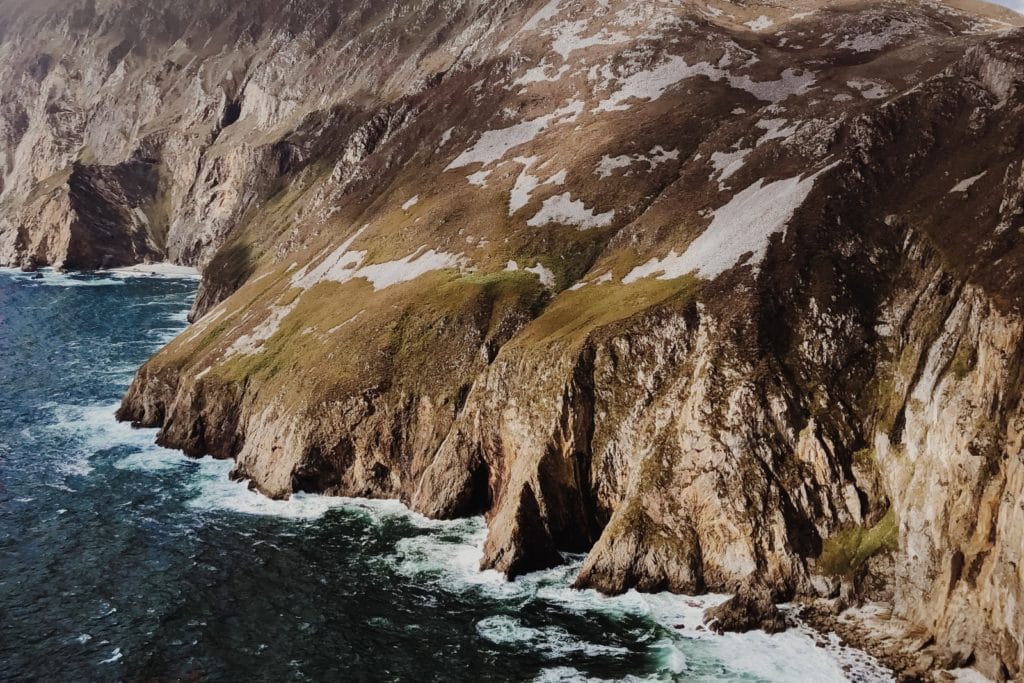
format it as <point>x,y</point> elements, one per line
<point>120,560</point>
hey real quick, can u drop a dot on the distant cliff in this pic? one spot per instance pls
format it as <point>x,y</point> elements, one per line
<point>726,295</point>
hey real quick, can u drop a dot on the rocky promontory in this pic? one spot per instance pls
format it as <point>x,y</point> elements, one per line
<point>726,295</point>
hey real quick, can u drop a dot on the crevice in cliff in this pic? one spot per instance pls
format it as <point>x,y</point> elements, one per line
<point>232,112</point>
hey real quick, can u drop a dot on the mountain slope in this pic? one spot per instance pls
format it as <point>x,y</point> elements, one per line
<point>726,295</point>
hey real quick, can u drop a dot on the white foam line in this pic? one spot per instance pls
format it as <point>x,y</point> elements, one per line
<point>448,554</point>
<point>215,491</point>
<point>165,270</point>
<point>105,278</point>
<point>52,278</point>
<point>452,560</point>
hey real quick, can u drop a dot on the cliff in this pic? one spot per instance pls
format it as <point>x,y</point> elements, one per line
<point>726,295</point>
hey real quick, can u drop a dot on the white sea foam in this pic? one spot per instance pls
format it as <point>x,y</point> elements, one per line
<point>207,478</point>
<point>76,465</point>
<point>153,460</point>
<point>95,426</point>
<point>106,278</point>
<point>181,317</point>
<point>563,674</point>
<point>171,271</point>
<point>451,559</point>
<point>95,429</point>
<point>447,555</point>
<point>550,641</point>
<point>52,278</point>
<point>213,490</point>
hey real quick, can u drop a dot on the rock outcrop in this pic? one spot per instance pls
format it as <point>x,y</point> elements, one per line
<point>727,296</point>
<point>748,610</point>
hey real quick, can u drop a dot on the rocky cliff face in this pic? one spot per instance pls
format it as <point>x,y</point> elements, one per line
<point>726,295</point>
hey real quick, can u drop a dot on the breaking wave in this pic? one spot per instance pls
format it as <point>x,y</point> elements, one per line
<point>575,635</point>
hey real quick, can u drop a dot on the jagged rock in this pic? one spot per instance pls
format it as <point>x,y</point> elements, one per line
<point>748,610</point>
<point>826,586</point>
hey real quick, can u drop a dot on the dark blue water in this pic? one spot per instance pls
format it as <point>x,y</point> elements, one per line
<point>123,561</point>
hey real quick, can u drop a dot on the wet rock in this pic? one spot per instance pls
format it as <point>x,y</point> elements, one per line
<point>750,609</point>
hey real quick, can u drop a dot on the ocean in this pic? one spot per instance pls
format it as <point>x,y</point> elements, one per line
<point>120,560</point>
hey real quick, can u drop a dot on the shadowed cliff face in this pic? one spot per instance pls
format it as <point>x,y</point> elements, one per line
<point>726,296</point>
<point>227,103</point>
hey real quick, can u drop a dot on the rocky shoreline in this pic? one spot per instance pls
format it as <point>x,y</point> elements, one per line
<point>728,296</point>
<point>910,653</point>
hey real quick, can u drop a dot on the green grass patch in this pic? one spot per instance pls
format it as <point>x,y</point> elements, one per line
<point>865,456</point>
<point>964,361</point>
<point>847,551</point>
<point>576,313</point>
<point>423,333</point>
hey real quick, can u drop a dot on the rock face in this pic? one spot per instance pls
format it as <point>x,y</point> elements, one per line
<point>726,295</point>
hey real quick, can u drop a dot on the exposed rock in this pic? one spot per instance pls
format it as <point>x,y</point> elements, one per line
<point>727,296</point>
<point>750,609</point>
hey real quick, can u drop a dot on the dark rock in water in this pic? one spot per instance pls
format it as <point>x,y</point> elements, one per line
<point>37,276</point>
<point>748,610</point>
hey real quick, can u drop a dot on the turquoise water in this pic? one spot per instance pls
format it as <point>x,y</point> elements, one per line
<point>120,560</point>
